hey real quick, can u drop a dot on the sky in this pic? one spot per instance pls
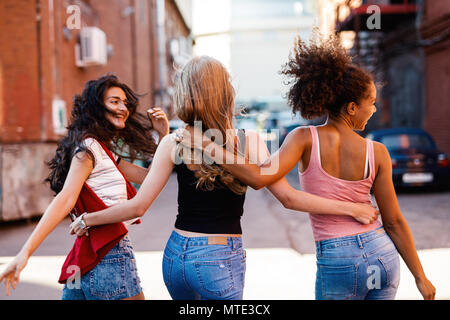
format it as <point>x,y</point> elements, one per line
<point>212,17</point>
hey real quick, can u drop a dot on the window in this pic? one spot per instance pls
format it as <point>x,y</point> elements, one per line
<point>407,141</point>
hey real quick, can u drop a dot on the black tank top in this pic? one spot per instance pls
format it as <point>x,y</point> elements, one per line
<point>215,211</point>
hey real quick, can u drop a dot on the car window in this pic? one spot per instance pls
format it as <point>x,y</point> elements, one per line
<point>407,141</point>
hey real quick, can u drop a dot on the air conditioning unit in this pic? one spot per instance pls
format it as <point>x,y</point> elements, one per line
<point>91,50</point>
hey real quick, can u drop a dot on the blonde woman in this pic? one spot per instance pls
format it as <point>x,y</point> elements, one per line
<point>204,257</point>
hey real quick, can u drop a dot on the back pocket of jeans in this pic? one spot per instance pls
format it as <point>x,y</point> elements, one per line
<point>108,278</point>
<point>391,264</point>
<point>338,282</point>
<point>215,277</point>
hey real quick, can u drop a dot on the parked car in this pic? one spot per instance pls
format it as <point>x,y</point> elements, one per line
<point>416,160</point>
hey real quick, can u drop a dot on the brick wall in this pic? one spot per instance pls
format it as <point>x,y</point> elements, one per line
<point>37,65</point>
<point>437,66</point>
<point>20,110</point>
<point>64,78</point>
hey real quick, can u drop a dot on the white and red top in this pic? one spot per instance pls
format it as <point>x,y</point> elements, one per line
<point>105,180</point>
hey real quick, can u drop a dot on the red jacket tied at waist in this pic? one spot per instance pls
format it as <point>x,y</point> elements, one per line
<point>88,251</point>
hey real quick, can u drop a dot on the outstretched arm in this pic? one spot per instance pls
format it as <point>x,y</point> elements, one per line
<point>154,182</point>
<point>394,222</point>
<point>58,209</point>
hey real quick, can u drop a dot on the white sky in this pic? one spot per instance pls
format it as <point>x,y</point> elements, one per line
<point>212,16</point>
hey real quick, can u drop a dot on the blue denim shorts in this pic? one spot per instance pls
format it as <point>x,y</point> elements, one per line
<point>360,267</point>
<point>194,268</point>
<point>113,278</point>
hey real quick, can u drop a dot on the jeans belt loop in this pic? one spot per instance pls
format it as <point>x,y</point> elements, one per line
<point>235,243</point>
<point>359,241</point>
<point>185,240</point>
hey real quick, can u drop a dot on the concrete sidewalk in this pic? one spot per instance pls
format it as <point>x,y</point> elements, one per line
<point>273,273</point>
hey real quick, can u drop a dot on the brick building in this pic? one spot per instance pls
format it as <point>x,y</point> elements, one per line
<point>435,32</point>
<point>39,76</point>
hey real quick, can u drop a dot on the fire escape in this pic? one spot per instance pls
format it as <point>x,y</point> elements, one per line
<point>392,14</point>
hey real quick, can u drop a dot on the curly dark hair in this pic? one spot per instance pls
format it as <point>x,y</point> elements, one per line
<point>322,77</point>
<point>135,141</point>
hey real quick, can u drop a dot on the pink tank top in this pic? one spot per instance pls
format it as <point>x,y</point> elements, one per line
<point>316,181</point>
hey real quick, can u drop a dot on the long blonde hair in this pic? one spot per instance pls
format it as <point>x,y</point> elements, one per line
<point>203,92</point>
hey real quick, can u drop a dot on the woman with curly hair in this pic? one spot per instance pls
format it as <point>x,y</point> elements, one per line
<point>204,257</point>
<point>354,261</point>
<point>86,176</point>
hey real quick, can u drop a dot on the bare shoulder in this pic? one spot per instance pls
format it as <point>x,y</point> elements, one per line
<point>166,146</point>
<point>300,136</point>
<point>169,140</point>
<point>381,155</point>
<point>380,151</point>
<point>84,158</point>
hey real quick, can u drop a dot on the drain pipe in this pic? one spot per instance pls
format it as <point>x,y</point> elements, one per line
<point>161,94</point>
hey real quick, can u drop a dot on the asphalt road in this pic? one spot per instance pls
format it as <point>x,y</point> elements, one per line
<point>267,226</point>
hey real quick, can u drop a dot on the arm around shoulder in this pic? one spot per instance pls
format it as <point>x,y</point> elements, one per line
<point>271,168</point>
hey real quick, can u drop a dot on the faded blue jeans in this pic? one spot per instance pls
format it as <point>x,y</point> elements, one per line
<point>196,270</point>
<point>115,277</point>
<point>359,267</point>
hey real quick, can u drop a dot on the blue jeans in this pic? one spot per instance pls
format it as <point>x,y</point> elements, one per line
<point>359,267</point>
<point>113,278</point>
<point>195,269</point>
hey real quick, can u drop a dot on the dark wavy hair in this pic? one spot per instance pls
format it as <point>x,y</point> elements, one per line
<point>322,77</point>
<point>135,141</point>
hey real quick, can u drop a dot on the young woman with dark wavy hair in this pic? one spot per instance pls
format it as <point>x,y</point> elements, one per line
<point>87,174</point>
<point>204,257</point>
<point>354,261</point>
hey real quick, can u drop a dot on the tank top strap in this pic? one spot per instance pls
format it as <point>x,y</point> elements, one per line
<point>371,159</point>
<point>315,147</point>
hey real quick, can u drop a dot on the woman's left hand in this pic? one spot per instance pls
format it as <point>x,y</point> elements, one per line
<point>426,288</point>
<point>159,121</point>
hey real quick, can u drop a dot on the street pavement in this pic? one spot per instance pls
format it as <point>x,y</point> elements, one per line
<point>280,248</point>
